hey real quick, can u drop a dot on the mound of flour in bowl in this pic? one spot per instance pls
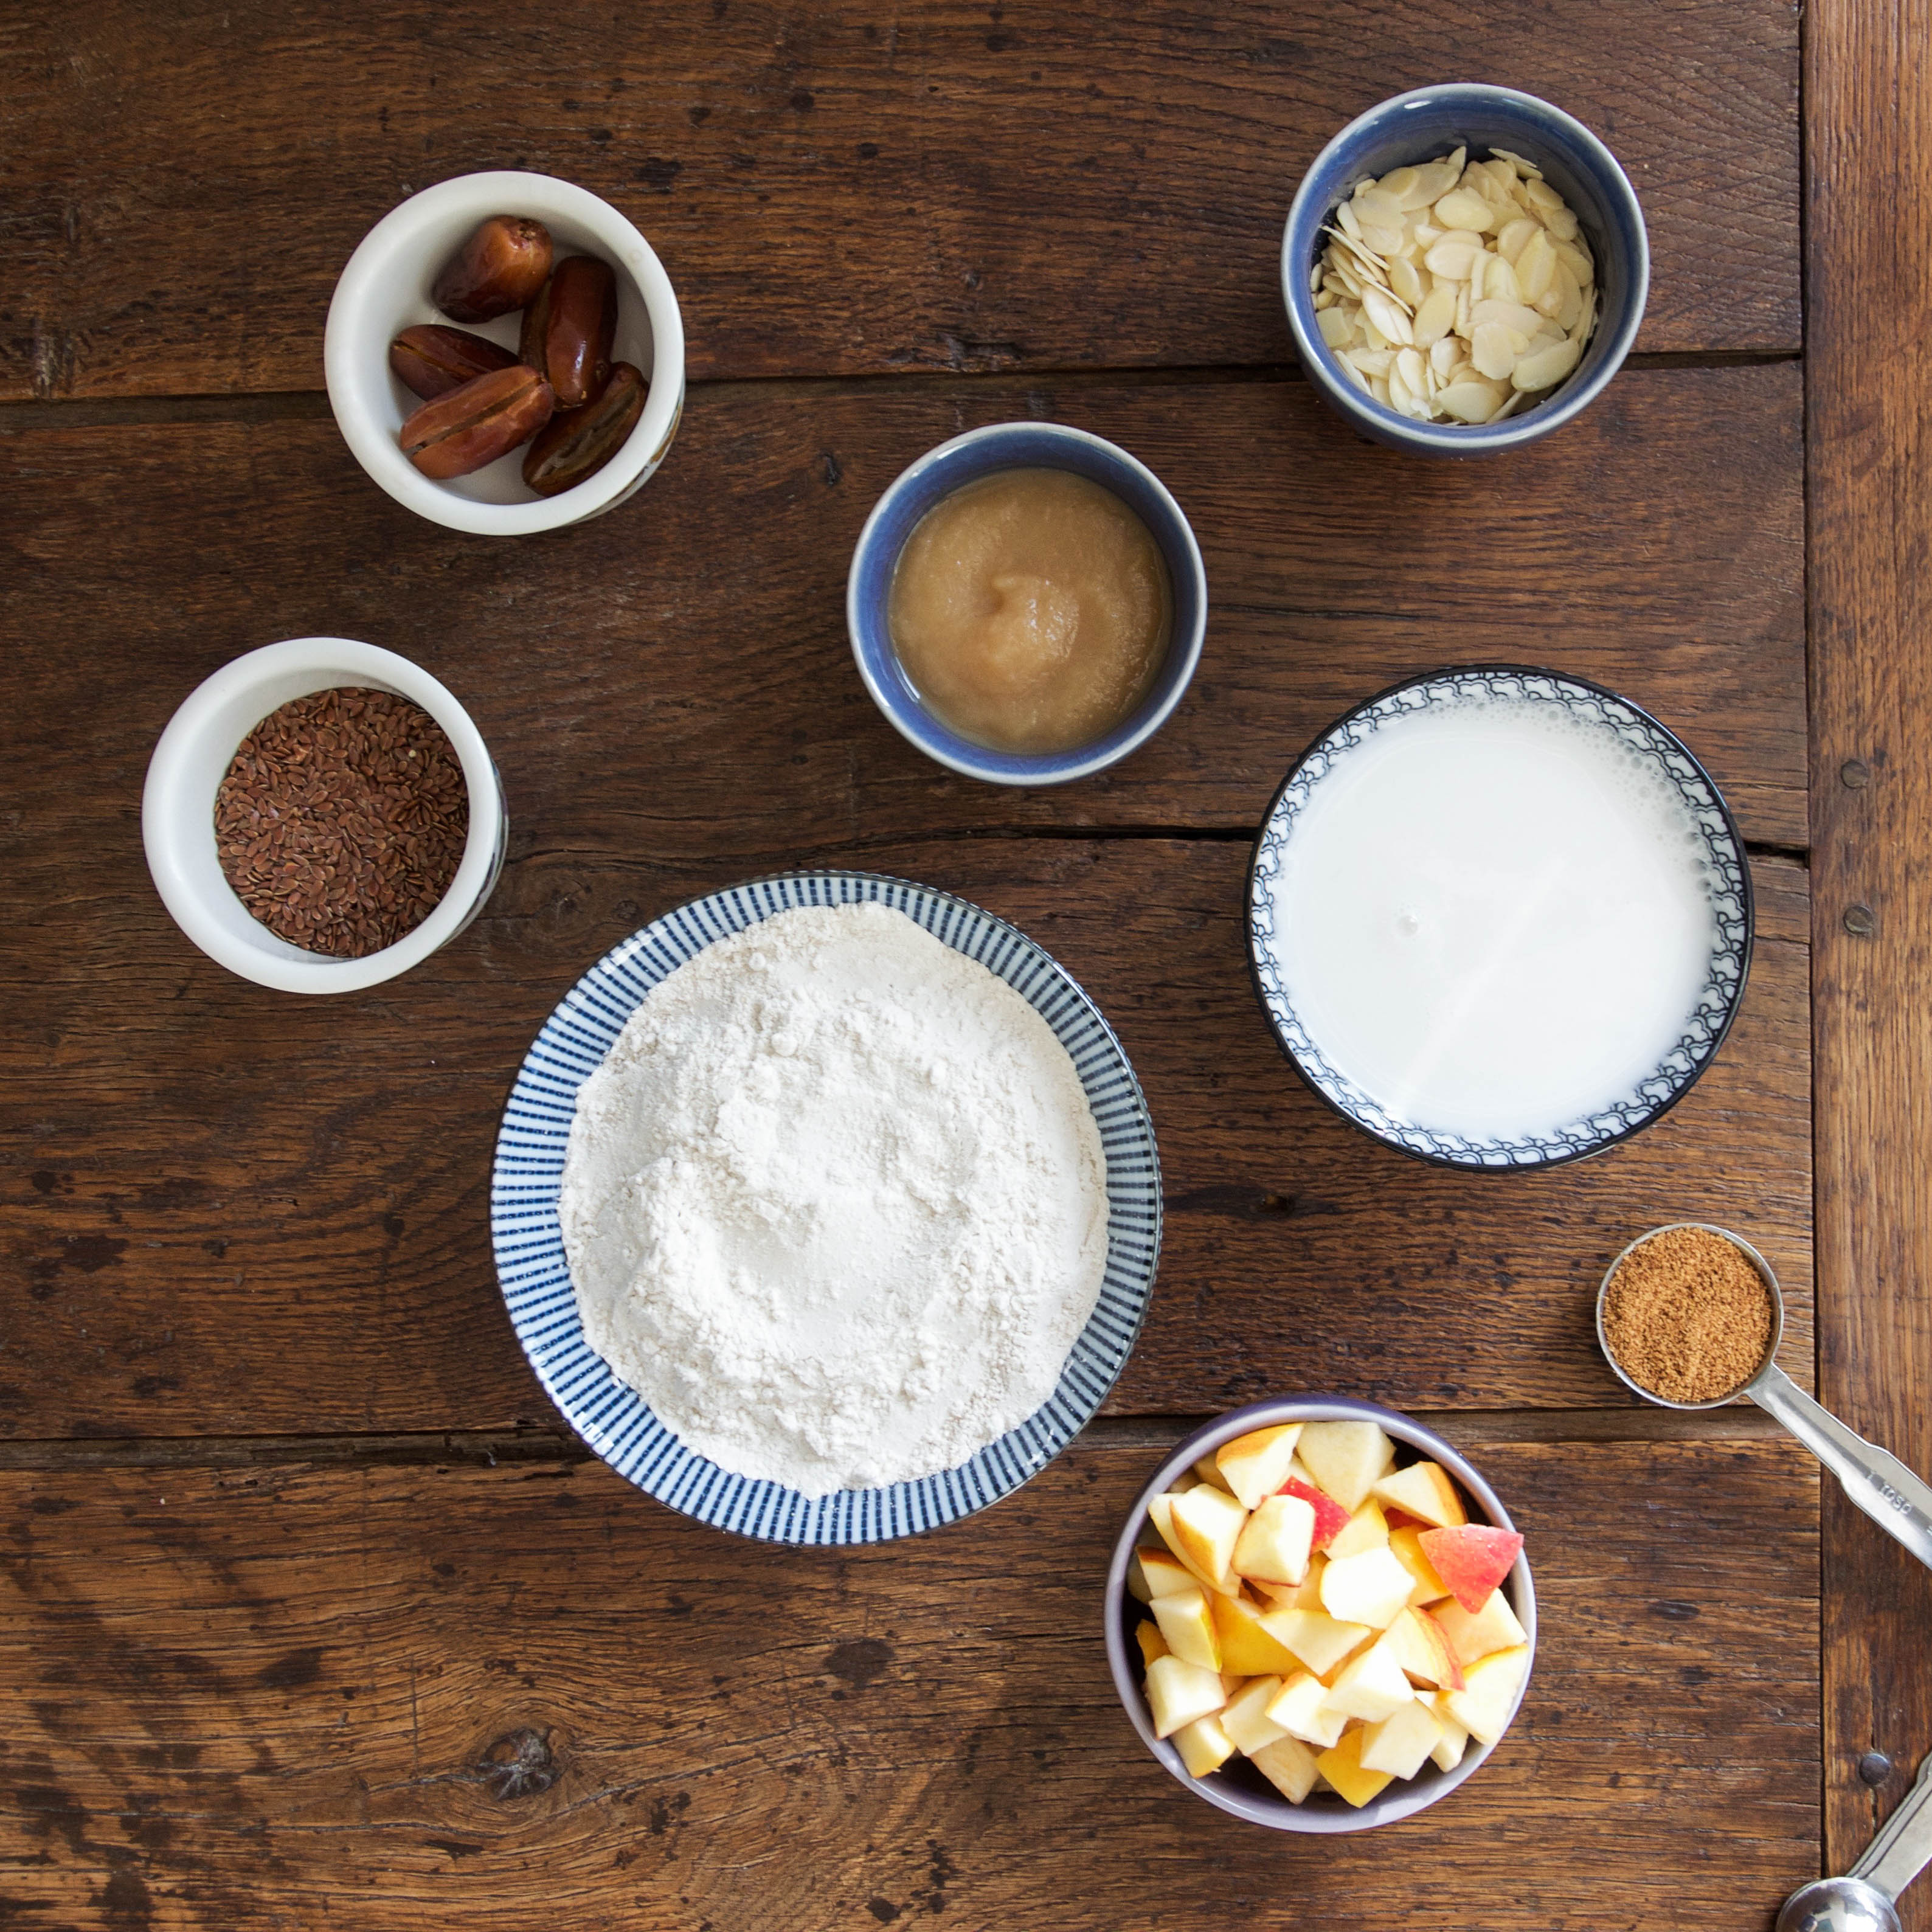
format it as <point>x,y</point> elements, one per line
<point>834,1204</point>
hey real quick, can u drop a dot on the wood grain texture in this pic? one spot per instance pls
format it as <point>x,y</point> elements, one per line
<point>292,1696</point>
<point>228,1211</point>
<point>675,680</point>
<point>833,189</point>
<point>1869,436</point>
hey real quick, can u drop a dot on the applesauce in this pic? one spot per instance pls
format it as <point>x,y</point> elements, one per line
<point>1031,610</point>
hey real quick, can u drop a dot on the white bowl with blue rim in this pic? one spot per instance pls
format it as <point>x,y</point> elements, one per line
<point>1421,126</point>
<point>980,452</point>
<point>1727,873</point>
<point>617,1422</point>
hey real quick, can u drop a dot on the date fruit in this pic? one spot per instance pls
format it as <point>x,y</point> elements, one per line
<point>500,267</point>
<point>569,327</point>
<point>467,428</point>
<point>577,443</point>
<point>433,360</point>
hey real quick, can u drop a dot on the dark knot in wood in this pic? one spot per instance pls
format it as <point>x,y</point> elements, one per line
<point>520,1764</point>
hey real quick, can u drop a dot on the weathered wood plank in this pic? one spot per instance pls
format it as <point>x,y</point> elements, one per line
<point>228,1211</point>
<point>1869,427</point>
<point>850,188</point>
<point>291,1695</point>
<point>675,680</point>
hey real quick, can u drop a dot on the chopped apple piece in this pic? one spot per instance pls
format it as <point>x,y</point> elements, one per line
<point>1472,1559</point>
<point>1232,1681</point>
<point>1455,1740</point>
<point>1152,1643</point>
<point>1165,1575</point>
<point>1424,1491</point>
<point>1366,1529</point>
<point>1318,1640</point>
<point>1274,1546</point>
<point>1137,1581</point>
<point>1331,1518</point>
<point>1289,1765</point>
<point>1305,1595</point>
<point>1256,1465</point>
<point>1368,1588</point>
<point>1424,1651</point>
<point>1188,1628</point>
<point>1493,1627</point>
<point>1371,1687</point>
<point>1482,1707</point>
<point>1204,1746</point>
<point>1399,1743</point>
<point>1209,1471</point>
<point>1297,1707</point>
<point>1245,1719</point>
<point>1160,1514</point>
<point>1208,1522</point>
<point>1178,1693</point>
<point>1407,1544</point>
<point>1245,1646</point>
<point>1341,1764</point>
<point>1345,1458</point>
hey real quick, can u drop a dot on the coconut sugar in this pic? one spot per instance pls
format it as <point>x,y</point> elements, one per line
<point>1688,1315</point>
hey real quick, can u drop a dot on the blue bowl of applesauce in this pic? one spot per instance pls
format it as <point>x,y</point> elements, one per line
<point>977,458</point>
<point>1499,918</point>
<point>1566,164</point>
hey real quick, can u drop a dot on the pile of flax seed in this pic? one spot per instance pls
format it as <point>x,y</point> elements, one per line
<point>342,820</point>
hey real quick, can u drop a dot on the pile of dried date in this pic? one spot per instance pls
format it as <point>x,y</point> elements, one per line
<point>561,393</point>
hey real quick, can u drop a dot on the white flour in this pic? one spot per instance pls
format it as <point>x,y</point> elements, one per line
<point>834,1204</point>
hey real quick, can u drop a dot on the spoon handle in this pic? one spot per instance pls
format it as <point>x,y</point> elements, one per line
<point>1879,1483</point>
<point>1904,1845</point>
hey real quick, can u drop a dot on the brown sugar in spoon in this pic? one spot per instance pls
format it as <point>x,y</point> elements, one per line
<point>1898,1501</point>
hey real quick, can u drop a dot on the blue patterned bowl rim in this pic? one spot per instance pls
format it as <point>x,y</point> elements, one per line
<point>1711,1018</point>
<point>613,1419</point>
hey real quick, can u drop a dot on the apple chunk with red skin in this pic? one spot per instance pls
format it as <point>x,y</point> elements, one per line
<point>1331,1518</point>
<point>1472,1559</point>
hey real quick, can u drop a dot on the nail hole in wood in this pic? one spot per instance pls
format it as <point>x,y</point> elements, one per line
<point>1860,922</point>
<point>1856,773</point>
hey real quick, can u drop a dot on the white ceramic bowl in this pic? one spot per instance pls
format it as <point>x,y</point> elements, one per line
<point>386,289</point>
<point>194,756</point>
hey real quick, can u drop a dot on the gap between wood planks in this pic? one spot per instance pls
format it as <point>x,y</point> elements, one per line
<point>1742,1423</point>
<point>312,405</point>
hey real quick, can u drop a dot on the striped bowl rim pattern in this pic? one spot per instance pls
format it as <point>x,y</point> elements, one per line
<point>614,1419</point>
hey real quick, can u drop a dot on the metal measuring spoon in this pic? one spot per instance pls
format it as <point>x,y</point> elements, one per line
<point>1861,1901</point>
<point>1879,1483</point>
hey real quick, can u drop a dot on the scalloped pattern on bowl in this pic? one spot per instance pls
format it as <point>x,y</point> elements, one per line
<point>1710,1018</point>
<point>527,1235</point>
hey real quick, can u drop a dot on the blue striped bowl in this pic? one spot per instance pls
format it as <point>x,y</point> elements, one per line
<point>614,1419</point>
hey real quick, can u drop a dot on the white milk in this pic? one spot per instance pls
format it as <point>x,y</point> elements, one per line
<point>1492,918</point>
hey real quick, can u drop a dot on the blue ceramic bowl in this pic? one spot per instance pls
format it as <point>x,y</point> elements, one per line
<point>1031,445</point>
<point>1237,1788</point>
<point>1419,126</point>
<point>1726,867</point>
<point>611,1416</point>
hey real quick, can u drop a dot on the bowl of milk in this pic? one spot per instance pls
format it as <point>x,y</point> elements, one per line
<point>1499,918</point>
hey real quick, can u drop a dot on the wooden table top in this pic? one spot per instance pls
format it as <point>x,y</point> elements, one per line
<point>312,1611</point>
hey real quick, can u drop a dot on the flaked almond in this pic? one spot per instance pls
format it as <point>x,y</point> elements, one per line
<point>1445,281</point>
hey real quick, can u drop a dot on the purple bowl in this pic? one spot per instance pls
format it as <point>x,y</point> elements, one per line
<point>1236,1787</point>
